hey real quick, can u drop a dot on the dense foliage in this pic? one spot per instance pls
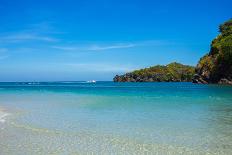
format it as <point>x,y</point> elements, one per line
<point>216,67</point>
<point>175,72</point>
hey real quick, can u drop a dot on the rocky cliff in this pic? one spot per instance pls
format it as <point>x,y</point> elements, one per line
<point>216,66</point>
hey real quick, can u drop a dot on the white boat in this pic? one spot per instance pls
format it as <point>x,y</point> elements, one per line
<point>91,81</point>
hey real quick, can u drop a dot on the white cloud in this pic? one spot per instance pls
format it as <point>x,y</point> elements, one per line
<point>102,46</point>
<point>95,47</point>
<point>33,32</point>
<point>116,46</point>
<point>67,48</point>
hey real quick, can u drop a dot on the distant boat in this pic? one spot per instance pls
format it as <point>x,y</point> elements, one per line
<point>91,81</point>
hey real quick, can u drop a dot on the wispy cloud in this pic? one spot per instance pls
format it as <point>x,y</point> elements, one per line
<point>117,46</point>
<point>101,46</point>
<point>95,47</point>
<point>33,32</point>
<point>67,48</point>
<point>19,37</point>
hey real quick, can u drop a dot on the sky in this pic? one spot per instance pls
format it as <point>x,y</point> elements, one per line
<point>73,40</point>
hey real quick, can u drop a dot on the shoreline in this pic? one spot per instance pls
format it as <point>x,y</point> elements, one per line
<point>3,115</point>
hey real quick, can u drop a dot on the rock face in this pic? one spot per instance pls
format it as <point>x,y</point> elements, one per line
<point>173,72</point>
<point>216,66</point>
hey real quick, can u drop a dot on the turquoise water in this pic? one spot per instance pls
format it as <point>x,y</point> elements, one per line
<point>115,118</point>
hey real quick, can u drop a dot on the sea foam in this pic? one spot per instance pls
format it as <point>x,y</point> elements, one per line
<point>3,116</point>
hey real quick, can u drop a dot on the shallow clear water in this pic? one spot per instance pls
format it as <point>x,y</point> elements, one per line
<point>115,118</point>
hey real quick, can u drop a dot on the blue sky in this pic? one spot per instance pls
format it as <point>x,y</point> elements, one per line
<point>96,39</point>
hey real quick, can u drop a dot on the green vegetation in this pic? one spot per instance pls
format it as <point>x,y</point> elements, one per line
<point>216,67</point>
<point>174,72</point>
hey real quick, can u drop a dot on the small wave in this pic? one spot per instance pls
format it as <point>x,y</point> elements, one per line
<point>3,115</point>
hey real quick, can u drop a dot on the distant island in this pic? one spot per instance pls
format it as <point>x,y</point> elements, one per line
<point>173,72</point>
<point>216,66</point>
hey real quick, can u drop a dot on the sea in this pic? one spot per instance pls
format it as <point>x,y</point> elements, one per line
<point>161,118</point>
